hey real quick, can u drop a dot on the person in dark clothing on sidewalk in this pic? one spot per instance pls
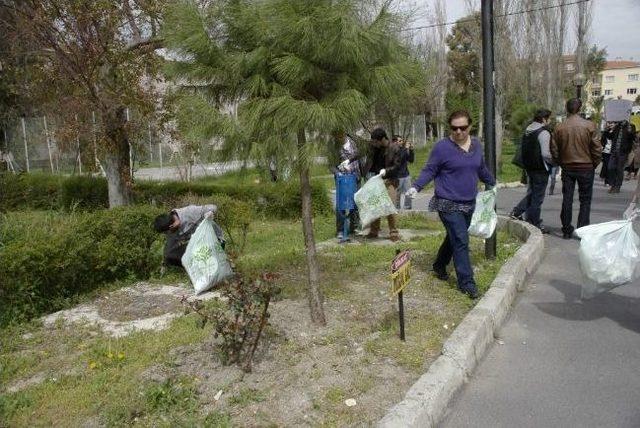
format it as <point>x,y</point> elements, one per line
<point>407,156</point>
<point>621,135</point>
<point>384,159</point>
<point>455,164</point>
<point>575,146</point>
<point>536,158</point>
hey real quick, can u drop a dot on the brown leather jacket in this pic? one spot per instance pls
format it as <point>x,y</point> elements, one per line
<point>576,144</point>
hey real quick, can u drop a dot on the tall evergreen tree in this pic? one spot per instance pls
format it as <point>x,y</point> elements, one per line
<point>297,69</point>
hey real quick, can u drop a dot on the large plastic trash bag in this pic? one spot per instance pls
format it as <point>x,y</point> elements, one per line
<point>485,219</point>
<point>373,201</point>
<point>204,259</point>
<point>609,255</point>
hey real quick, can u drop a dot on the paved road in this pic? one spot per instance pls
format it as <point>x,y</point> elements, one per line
<point>564,362</point>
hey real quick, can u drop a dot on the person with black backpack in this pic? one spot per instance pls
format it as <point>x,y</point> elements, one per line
<point>536,161</point>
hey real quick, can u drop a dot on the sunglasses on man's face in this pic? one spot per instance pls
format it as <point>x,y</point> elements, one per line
<point>459,128</point>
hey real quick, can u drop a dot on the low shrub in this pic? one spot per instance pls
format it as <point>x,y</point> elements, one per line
<point>84,193</point>
<point>48,259</point>
<point>29,191</point>
<point>39,191</point>
<point>273,200</point>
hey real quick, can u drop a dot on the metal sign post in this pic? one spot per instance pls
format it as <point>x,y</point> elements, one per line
<point>400,276</point>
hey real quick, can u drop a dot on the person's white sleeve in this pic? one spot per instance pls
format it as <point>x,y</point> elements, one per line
<point>544,138</point>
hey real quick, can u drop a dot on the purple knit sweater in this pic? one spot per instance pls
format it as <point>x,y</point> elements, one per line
<point>455,171</point>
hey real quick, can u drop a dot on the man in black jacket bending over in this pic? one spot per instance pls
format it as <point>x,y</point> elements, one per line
<point>536,158</point>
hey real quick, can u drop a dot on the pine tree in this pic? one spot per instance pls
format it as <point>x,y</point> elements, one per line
<point>298,70</point>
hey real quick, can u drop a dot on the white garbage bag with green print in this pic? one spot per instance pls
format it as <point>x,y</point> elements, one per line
<point>373,201</point>
<point>204,259</point>
<point>485,219</point>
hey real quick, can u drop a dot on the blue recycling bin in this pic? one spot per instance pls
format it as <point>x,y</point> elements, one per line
<point>346,187</point>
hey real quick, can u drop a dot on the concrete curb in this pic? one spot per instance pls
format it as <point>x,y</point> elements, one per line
<point>426,401</point>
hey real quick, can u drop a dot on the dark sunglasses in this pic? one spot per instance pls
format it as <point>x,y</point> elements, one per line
<point>459,128</point>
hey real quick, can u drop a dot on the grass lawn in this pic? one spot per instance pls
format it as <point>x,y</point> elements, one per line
<point>62,376</point>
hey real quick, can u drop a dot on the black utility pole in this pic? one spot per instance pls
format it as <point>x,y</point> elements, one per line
<point>488,103</point>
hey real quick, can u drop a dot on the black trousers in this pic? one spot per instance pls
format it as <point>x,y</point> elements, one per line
<point>585,191</point>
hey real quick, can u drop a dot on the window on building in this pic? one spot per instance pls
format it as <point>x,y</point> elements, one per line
<point>632,77</point>
<point>608,91</point>
<point>610,79</point>
<point>632,91</point>
<point>595,93</point>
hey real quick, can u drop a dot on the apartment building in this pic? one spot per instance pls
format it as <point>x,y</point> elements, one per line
<point>619,79</point>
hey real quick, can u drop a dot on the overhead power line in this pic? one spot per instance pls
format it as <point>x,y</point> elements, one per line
<point>422,27</point>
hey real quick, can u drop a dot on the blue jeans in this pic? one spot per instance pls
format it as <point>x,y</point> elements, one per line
<point>403,186</point>
<point>456,246</point>
<point>531,204</point>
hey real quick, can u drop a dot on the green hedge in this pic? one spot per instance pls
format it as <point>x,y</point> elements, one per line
<point>276,200</point>
<point>84,193</point>
<point>29,191</point>
<point>47,259</point>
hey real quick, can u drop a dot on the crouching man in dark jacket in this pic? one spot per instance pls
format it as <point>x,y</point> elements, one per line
<point>179,224</point>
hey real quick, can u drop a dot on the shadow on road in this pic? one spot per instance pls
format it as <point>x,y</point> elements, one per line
<point>621,309</point>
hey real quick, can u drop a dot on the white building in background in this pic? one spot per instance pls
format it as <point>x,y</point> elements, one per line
<point>619,79</point>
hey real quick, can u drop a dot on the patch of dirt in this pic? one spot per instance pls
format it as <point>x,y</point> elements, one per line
<point>143,306</point>
<point>303,374</point>
<point>125,306</point>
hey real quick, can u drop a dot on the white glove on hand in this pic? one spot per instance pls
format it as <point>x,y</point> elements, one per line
<point>383,172</point>
<point>344,164</point>
<point>411,193</point>
<point>630,211</point>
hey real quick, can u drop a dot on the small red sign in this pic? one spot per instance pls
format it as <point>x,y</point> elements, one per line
<point>400,260</point>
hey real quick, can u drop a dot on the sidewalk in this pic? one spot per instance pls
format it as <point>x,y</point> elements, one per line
<point>559,361</point>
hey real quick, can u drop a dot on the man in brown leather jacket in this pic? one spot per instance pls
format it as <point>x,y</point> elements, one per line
<point>576,148</point>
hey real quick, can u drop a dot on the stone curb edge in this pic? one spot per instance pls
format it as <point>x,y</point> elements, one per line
<point>426,401</point>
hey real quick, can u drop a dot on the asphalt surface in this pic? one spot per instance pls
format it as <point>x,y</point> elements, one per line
<point>560,361</point>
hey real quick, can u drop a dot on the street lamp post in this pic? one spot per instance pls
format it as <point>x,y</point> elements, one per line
<point>488,103</point>
<point>579,80</point>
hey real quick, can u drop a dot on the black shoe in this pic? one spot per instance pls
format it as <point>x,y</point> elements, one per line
<point>543,230</point>
<point>442,275</point>
<point>473,294</point>
<point>567,235</point>
<point>515,216</point>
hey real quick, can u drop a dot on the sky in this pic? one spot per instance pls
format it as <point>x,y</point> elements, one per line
<point>616,24</point>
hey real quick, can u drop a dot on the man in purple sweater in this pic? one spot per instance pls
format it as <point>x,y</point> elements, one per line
<point>455,164</point>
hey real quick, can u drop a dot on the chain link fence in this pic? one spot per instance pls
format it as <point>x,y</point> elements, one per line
<point>34,144</point>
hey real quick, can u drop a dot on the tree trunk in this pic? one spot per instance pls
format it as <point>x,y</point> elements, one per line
<point>314,295</point>
<point>116,160</point>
